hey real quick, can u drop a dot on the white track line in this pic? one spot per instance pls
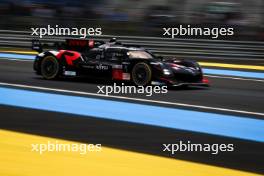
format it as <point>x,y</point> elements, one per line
<point>134,99</point>
<point>236,78</point>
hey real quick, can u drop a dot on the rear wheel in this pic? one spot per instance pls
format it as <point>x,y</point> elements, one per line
<point>141,74</point>
<point>49,67</point>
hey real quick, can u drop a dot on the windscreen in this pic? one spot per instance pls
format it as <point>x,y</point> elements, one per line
<point>139,55</point>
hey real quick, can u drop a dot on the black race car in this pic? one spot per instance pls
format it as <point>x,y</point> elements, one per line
<point>115,61</point>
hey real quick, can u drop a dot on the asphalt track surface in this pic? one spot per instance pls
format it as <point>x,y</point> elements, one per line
<point>244,95</point>
<point>240,95</point>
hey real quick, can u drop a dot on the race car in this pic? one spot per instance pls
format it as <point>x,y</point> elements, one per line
<point>115,61</point>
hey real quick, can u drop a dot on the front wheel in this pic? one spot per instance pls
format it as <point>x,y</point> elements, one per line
<point>141,74</point>
<point>49,67</point>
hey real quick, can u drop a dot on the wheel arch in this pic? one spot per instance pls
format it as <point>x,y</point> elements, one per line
<point>40,57</point>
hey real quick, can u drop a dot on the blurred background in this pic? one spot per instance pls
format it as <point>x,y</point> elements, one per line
<point>136,17</point>
<point>234,65</point>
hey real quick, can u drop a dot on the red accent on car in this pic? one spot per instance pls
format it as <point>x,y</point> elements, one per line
<point>91,43</point>
<point>174,65</point>
<point>70,56</point>
<point>60,54</point>
<point>205,80</point>
<point>77,42</point>
<point>117,74</point>
<point>167,80</point>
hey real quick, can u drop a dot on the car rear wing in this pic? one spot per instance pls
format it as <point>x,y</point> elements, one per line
<point>68,44</point>
<point>82,44</point>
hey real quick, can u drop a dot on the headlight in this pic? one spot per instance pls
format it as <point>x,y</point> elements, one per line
<point>166,72</point>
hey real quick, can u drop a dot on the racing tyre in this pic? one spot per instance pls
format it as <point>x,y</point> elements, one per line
<point>49,67</point>
<point>141,74</point>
